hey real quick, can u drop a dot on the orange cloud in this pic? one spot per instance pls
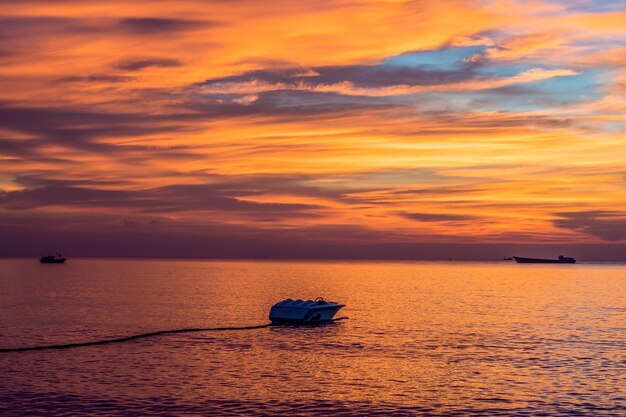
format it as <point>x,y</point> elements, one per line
<point>609,21</point>
<point>527,45</point>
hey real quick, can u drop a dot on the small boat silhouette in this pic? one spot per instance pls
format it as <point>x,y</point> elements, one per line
<point>52,259</point>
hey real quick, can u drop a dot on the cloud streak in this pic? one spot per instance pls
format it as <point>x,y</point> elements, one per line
<point>381,84</point>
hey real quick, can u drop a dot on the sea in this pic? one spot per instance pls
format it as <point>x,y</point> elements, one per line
<point>421,339</point>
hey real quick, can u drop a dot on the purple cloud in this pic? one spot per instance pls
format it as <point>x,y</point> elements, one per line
<point>607,225</point>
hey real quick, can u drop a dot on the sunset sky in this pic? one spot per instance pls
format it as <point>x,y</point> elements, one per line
<point>295,128</point>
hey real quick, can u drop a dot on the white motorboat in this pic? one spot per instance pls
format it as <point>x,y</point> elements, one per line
<point>301,312</point>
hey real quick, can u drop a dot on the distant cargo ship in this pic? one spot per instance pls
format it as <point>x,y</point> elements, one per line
<point>560,260</point>
<point>52,259</point>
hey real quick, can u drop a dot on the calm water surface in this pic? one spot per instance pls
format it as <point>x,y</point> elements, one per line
<point>422,339</point>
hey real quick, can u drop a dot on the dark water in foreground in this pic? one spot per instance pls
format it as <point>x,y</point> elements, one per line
<point>422,339</point>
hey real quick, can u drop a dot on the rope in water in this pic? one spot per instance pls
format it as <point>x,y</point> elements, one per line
<point>129,338</point>
<point>139,336</point>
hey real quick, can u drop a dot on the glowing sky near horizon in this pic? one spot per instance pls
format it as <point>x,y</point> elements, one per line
<point>346,121</point>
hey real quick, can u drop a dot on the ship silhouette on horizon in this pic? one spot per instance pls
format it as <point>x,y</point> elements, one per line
<point>560,260</point>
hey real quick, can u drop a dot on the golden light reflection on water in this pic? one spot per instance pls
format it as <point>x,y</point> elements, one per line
<point>422,337</point>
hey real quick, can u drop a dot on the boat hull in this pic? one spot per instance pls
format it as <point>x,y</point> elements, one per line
<point>521,260</point>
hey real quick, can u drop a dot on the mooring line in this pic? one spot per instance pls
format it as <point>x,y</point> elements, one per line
<point>139,336</point>
<point>133,337</point>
